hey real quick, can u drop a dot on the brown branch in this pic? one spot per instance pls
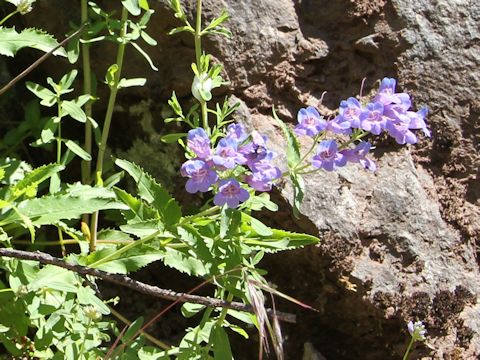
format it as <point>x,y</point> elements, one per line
<point>39,61</point>
<point>147,289</point>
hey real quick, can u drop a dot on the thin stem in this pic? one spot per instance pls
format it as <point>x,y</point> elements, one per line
<point>126,248</point>
<point>107,123</point>
<point>8,16</point>
<point>59,134</point>
<point>209,211</point>
<point>409,347</point>
<point>62,243</point>
<point>198,55</point>
<point>87,89</point>
<point>6,290</point>
<point>149,337</point>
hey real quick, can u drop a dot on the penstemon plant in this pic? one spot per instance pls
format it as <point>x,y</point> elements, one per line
<point>51,308</point>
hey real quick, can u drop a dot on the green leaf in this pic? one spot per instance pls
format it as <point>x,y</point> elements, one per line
<point>189,309</point>
<point>259,227</point>
<point>110,75</point>
<point>34,178</point>
<point>132,6</point>
<point>144,4</point>
<point>74,110</point>
<point>125,83</point>
<point>298,192</point>
<point>61,206</point>
<point>48,97</point>
<point>171,138</point>
<point>48,132</point>
<point>67,80</point>
<point>132,330</point>
<point>56,278</point>
<point>180,29</point>
<point>138,210</point>
<point>77,149</point>
<point>145,55</point>
<point>11,41</point>
<point>293,149</point>
<point>221,344</point>
<point>86,296</point>
<point>153,193</point>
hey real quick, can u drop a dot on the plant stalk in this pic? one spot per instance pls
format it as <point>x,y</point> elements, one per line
<point>8,17</point>
<point>106,125</point>
<point>87,89</point>
<point>409,347</point>
<point>198,54</point>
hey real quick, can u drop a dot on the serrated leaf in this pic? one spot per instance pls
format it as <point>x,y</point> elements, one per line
<point>11,41</point>
<point>61,206</point>
<point>153,193</point>
<point>257,226</point>
<point>34,178</point>
<point>138,210</point>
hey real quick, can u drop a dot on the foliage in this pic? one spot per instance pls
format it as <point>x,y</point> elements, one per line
<point>52,313</point>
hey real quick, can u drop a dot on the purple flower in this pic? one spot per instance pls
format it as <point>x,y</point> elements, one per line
<point>372,119</point>
<point>230,193</point>
<point>339,125</point>
<point>262,176</point>
<point>200,174</point>
<point>309,122</point>
<point>236,132</point>
<point>328,157</point>
<point>387,95</point>
<point>199,142</point>
<point>359,155</point>
<point>417,120</point>
<point>398,127</point>
<point>256,150</point>
<point>226,154</point>
<point>350,111</point>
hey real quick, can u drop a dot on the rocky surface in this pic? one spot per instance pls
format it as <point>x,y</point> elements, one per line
<point>400,244</point>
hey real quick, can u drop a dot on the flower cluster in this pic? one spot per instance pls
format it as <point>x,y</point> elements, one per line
<point>417,330</point>
<point>387,112</point>
<point>237,158</point>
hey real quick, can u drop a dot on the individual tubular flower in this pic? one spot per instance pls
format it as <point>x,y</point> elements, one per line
<point>199,142</point>
<point>359,155</point>
<point>398,128</point>
<point>200,174</point>
<point>388,97</point>
<point>226,155</point>
<point>417,120</point>
<point>237,133</point>
<point>417,330</point>
<point>256,150</point>
<point>310,122</point>
<point>230,193</point>
<point>263,174</point>
<point>339,125</point>
<point>350,111</point>
<point>328,157</point>
<point>372,119</point>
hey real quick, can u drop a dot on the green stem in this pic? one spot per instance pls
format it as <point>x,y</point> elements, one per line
<point>6,290</point>
<point>407,352</point>
<point>8,17</point>
<point>127,247</point>
<point>198,55</point>
<point>62,243</point>
<point>209,211</point>
<point>87,89</point>
<point>198,34</point>
<point>107,123</point>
